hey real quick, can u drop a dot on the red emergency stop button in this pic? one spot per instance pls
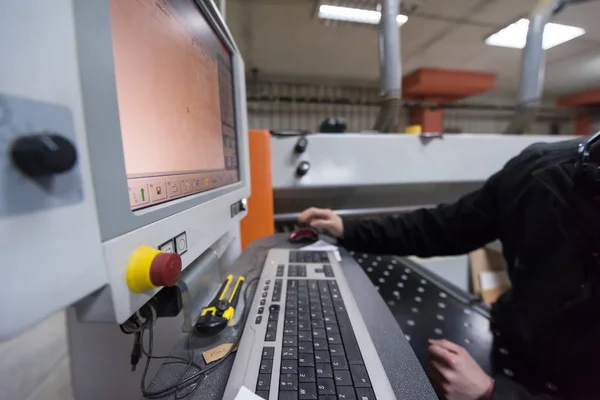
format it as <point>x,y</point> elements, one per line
<point>149,268</point>
<point>165,269</point>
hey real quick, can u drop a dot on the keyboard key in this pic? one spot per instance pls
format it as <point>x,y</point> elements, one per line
<point>262,302</point>
<point>332,328</point>
<point>365,394</point>
<point>288,396</point>
<point>290,330</point>
<point>304,336</point>
<point>316,315</point>
<point>334,338</point>
<point>258,320</point>
<point>342,378</point>
<point>263,393</point>
<point>304,326</point>
<point>289,340</point>
<point>317,324</point>
<point>328,271</point>
<point>336,350</point>
<point>322,356</point>
<point>332,284</point>
<point>360,376</point>
<point>305,347</point>
<point>319,333</point>
<point>289,366</point>
<point>350,344</point>
<point>306,374</point>
<point>315,307</point>
<point>288,382</point>
<point>288,321</point>
<point>273,317</point>
<point>325,386</point>
<point>261,310</point>
<point>328,397</point>
<point>264,294</point>
<point>339,362</point>
<point>320,344</point>
<point>289,353</point>
<point>303,317</point>
<point>307,391</point>
<point>306,360</point>
<point>266,366</point>
<point>324,371</point>
<point>271,326</point>
<point>270,336</point>
<point>268,352</point>
<point>340,308</point>
<point>264,382</point>
<point>330,319</point>
<point>346,393</point>
<point>290,313</point>
<point>274,308</point>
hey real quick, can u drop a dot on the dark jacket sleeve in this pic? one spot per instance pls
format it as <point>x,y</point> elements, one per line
<point>507,389</point>
<point>448,229</point>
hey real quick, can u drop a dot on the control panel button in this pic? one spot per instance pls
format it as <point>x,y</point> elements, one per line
<point>138,194</point>
<point>174,188</point>
<point>149,268</point>
<point>157,191</point>
<point>167,247</point>
<point>187,186</point>
<point>181,243</point>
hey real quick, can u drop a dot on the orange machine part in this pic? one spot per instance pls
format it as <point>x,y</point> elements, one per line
<point>583,121</point>
<point>259,222</point>
<point>441,85</point>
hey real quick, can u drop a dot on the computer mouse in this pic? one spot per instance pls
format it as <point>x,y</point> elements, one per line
<point>304,235</point>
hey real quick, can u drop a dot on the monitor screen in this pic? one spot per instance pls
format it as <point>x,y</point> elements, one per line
<point>176,102</point>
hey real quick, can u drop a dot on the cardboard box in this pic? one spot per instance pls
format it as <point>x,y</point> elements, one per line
<point>489,278</point>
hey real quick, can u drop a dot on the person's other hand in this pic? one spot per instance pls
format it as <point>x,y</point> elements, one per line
<point>323,220</point>
<point>455,374</point>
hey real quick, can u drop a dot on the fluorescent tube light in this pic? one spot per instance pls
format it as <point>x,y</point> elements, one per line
<point>515,35</point>
<point>355,15</point>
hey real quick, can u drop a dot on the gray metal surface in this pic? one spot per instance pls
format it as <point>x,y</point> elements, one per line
<point>95,51</point>
<point>533,67</point>
<point>20,117</point>
<point>406,376</point>
<point>368,160</point>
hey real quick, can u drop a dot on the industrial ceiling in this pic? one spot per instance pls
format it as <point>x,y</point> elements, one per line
<point>284,39</point>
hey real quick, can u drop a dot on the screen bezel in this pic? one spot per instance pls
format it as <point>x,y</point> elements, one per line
<point>99,92</point>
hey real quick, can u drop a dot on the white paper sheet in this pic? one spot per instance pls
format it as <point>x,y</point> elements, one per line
<point>321,245</point>
<point>246,394</point>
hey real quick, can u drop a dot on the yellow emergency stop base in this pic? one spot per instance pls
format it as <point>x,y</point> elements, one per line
<point>138,269</point>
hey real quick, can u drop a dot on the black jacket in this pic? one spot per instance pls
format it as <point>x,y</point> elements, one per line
<point>550,231</point>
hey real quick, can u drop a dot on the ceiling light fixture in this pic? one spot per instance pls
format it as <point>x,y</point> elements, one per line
<point>358,15</point>
<point>515,35</point>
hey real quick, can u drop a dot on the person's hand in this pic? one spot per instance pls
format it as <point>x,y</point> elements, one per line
<point>323,220</point>
<point>455,374</point>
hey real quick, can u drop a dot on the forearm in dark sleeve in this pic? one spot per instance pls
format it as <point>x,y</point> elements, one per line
<point>447,229</point>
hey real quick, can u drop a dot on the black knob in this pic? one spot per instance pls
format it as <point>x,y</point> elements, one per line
<point>303,168</point>
<point>43,155</point>
<point>301,145</point>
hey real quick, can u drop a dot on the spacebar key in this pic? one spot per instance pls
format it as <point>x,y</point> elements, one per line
<point>349,340</point>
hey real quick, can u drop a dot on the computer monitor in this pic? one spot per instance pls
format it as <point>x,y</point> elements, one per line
<point>163,92</point>
<point>175,94</point>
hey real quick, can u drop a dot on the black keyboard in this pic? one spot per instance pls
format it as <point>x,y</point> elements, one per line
<point>320,357</point>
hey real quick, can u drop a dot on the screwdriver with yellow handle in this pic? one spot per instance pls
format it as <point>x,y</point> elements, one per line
<point>215,317</point>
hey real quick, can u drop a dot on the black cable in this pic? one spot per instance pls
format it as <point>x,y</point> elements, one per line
<point>202,372</point>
